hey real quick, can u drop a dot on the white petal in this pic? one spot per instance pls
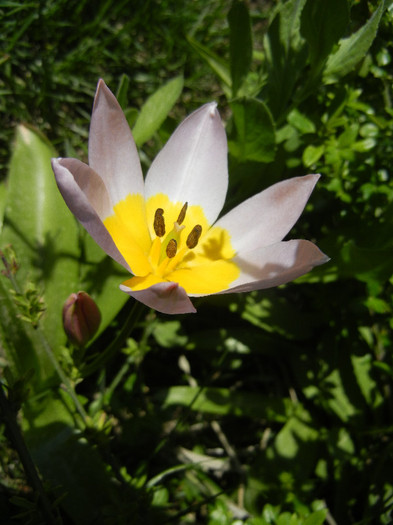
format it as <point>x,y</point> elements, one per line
<point>276,264</point>
<point>112,151</point>
<point>84,210</point>
<point>193,167</point>
<point>267,217</point>
<point>165,297</point>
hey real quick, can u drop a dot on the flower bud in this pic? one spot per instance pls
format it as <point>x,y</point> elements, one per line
<point>81,318</point>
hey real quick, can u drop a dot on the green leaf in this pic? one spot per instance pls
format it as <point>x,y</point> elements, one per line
<point>365,263</point>
<point>322,25</point>
<point>224,401</point>
<point>156,109</point>
<point>255,131</point>
<point>338,400</point>
<point>293,433</point>
<point>167,334</point>
<point>316,518</point>
<point>122,89</point>
<point>40,228</point>
<point>286,55</point>
<point>219,66</point>
<point>3,195</point>
<point>288,18</point>
<point>299,121</point>
<point>312,154</point>
<point>352,49</point>
<point>240,43</point>
<point>362,367</point>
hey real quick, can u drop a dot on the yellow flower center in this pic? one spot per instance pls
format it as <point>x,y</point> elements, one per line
<point>192,253</point>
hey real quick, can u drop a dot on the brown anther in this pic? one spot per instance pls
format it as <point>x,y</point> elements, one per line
<point>193,238</point>
<point>171,248</point>
<point>182,214</point>
<point>159,223</point>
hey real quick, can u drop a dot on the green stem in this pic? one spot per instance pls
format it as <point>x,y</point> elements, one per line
<point>124,333</point>
<point>28,465</point>
<point>64,379</point>
<point>107,395</point>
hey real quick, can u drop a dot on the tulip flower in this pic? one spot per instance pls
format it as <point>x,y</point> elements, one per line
<point>164,229</point>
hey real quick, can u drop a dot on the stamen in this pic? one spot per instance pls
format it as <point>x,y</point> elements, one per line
<point>182,214</point>
<point>193,238</point>
<point>159,223</point>
<point>171,248</point>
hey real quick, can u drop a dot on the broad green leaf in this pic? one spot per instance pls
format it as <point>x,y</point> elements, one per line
<point>352,49</point>
<point>255,139</point>
<point>240,43</point>
<point>156,109</point>
<point>322,25</point>
<point>40,228</point>
<point>219,66</point>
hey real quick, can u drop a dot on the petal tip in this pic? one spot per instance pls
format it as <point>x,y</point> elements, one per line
<point>212,106</point>
<point>165,297</point>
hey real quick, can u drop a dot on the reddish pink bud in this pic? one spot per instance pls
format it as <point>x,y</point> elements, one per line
<point>81,318</point>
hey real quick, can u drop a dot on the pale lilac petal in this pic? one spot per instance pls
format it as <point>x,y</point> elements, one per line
<point>78,203</point>
<point>165,297</point>
<point>112,151</point>
<point>91,184</point>
<point>192,166</point>
<point>267,217</point>
<point>276,264</point>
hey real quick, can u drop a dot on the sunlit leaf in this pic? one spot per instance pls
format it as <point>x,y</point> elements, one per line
<point>353,49</point>
<point>156,109</point>
<point>312,154</point>
<point>40,228</point>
